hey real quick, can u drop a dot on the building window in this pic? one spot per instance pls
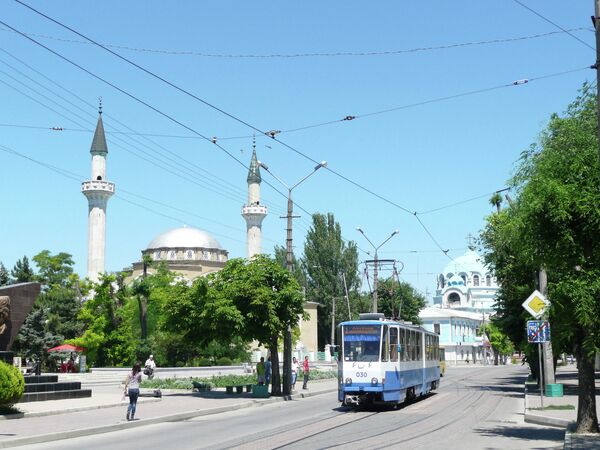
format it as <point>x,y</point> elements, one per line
<point>475,280</point>
<point>441,281</point>
<point>436,328</point>
<point>488,280</point>
<point>189,254</point>
<point>464,278</point>
<point>454,298</point>
<point>173,254</point>
<point>157,255</point>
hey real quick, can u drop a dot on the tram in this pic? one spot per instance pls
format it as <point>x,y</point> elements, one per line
<point>384,361</point>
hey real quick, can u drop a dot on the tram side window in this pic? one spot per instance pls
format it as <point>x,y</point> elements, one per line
<point>385,345</point>
<point>403,353</point>
<point>412,345</point>
<point>437,348</point>
<point>427,347</point>
<point>393,344</point>
<point>419,337</point>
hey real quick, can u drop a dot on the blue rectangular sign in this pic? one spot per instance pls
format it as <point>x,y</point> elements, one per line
<point>538,331</point>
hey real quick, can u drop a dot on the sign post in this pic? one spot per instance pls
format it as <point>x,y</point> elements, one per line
<point>538,331</point>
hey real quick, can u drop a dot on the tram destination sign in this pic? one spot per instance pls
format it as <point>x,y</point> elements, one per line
<point>536,304</point>
<point>538,331</point>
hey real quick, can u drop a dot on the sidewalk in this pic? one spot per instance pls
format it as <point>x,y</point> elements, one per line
<point>561,418</point>
<point>104,412</point>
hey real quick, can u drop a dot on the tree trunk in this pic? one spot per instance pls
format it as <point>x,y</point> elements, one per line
<point>143,304</point>
<point>275,377</point>
<point>587,419</point>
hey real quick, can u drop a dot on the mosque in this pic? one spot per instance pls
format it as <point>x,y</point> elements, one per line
<point>190,252</point>
<point>464,301</point>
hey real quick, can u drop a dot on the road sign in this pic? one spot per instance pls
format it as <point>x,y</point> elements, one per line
<point>536,304</point>
<point>538,331</point>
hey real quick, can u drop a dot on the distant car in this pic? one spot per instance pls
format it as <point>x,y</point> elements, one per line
<point>442,362</point>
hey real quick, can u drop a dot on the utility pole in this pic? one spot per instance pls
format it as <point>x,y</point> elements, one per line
<point>333,321</point>
<point>347,298</point>
<point>595,19</point>
<point>548,359</point>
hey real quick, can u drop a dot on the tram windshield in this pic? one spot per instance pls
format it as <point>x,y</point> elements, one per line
<point>362,342</point>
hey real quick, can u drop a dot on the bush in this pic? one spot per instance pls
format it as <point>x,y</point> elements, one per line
<point>224,361</point>
<point>12,384</point>
<point>204,362</point>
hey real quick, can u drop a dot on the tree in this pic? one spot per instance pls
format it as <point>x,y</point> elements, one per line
<point>22,271</point>
<point>326,257</point>
<point>255,300</point>
<point>554,223</point>
<point>400,300</point>
<point>496,200</point>
<point>500,343</point>
<point>4,275</point>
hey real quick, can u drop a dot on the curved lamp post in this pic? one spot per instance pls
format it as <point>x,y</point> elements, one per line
<point>287,337</point>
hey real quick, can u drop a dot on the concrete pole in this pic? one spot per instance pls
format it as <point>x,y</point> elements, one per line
<point>347,298</point>
<point>375,283</point>
<point>287,337</point>
<point>597,65</point>
<point>333,321</point>
<point>547,354</point>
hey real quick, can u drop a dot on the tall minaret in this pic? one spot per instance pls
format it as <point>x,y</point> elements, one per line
<point>97,191</point>
<point>253,212</point>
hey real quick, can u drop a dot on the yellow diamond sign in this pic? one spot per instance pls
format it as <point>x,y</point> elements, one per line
<point>536,304</point>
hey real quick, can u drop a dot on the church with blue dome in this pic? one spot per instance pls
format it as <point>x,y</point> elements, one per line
<point>464,301</point>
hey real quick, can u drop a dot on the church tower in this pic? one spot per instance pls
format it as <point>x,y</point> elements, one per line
<point>253,212</point>
<point>97,191</point>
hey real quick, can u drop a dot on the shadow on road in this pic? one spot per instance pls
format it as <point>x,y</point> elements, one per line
<point>525,433</point>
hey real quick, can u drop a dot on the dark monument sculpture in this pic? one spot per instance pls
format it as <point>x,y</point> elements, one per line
<point>16,301</point>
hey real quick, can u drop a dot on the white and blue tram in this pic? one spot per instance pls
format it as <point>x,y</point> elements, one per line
<point>385,361</point>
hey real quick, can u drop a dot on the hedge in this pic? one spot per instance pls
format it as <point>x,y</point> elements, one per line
<point>12,384</point>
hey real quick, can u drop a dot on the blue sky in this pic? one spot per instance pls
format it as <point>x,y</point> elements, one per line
<point>420,158</point>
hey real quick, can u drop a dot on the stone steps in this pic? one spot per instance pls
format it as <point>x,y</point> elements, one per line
<point>47,387</point>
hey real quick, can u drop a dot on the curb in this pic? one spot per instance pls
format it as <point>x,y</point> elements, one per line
<point>143,422</point>
<point>547,421</point>
<point>71,410</point>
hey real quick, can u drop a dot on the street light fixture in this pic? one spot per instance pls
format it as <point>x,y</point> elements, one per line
<point>376,248</point>
<point>287,337</point>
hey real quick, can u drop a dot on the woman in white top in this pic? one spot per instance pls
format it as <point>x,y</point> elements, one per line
<point>294,372</point>
<point>133,383</point>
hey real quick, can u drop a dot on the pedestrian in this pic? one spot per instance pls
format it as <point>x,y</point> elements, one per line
<point>150,367</point>
<point>268,371</point>
<point>306,368</point>
<point>132,387</point>
<point>260,371</point>
<point>294,372</point>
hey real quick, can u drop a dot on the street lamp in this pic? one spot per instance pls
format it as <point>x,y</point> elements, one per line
<point>287,337</point>
<point>375,286</point>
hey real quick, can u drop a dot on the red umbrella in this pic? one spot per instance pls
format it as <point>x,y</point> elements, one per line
<point>65,348</point>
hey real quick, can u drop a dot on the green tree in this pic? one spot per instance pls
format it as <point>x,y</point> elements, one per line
<point>34,338</point>
<point>22,271</point>
<point>326,257</point>
<point>255,300</point>
<point>554,223</point>
<point>500,343</point>
<point>4,275</point>
<point>400,300</point>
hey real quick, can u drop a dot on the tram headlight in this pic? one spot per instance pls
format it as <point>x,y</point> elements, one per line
<point>348,381</point>
<point>374,381</point>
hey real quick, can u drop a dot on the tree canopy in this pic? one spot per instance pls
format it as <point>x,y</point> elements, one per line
<point>554,222</point>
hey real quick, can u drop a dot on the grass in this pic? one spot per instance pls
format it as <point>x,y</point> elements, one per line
<point>222,380</point>
<point>554,407</point>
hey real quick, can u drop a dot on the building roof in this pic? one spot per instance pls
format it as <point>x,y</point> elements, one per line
<point>254,170</point>
<point>99,141</point>
<point>442,313</point>
<point>469,262</point>
<point>185,237</point>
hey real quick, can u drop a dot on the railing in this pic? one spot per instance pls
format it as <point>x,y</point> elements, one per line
<point>98,185</point>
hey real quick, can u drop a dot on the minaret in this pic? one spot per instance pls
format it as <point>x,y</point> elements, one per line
<point>253,212</point>
<point>97,191</point>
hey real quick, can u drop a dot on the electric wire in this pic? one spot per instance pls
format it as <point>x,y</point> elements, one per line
<point>554,23</point>
<point>211,106</point>
<point>312,54</point>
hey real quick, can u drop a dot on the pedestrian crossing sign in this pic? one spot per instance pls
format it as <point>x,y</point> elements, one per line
<point>536,304</point>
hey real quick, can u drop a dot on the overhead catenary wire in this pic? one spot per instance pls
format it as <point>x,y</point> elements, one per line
<point>314,54</point>
<point>554,23</point>
<point>180,89</point>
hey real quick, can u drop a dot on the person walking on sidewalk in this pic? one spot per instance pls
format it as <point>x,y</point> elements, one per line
<point>295,368</point>
<point>268,371</point>
<point>306,368</point>
<point>133,384</point>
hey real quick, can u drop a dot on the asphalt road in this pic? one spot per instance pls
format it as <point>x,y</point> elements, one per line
<point>475,408</point>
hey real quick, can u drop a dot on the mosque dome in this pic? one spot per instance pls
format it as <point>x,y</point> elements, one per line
<point>185,237</point>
